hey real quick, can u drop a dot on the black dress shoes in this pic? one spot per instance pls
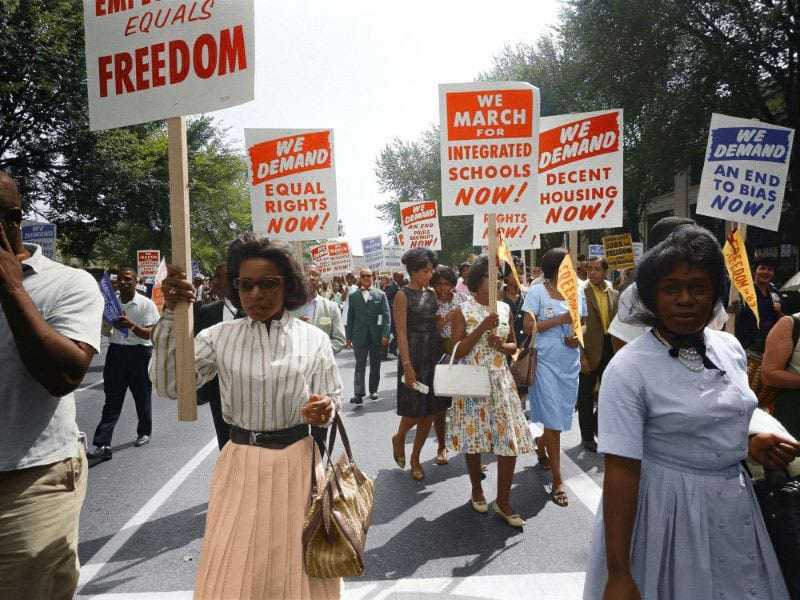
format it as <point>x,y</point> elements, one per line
<point>100,453</point>
<point>357,400</point>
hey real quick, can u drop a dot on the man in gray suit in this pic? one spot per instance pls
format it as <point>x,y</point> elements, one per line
<point>322,313</point>
<point>601,305</point>
<point>368,323</point>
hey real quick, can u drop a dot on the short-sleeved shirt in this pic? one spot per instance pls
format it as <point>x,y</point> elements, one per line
<point>142,311</point>
<point>37,428</point>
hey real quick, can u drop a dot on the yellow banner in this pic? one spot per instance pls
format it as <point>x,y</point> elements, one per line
<point>738,266</point>
<point>567,286</point>
<point>504,255</point>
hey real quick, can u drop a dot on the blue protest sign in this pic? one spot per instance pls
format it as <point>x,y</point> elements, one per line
<point>373,252</point>
<point>41,234</point>
<point>112,309</point>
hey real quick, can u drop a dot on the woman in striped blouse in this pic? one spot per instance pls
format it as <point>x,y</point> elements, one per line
<point>277,375</point>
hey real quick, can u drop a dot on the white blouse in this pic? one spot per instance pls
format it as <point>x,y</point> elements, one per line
<point>265,377</point>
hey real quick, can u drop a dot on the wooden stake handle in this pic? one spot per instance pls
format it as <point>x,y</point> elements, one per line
<point>493,263</point>
<point>182,255</point>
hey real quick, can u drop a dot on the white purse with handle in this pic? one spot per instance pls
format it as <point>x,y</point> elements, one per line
<point>461,380</point>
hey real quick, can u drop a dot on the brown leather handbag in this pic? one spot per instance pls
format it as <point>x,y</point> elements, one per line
<point>337,520</point>
<point>523,369</point>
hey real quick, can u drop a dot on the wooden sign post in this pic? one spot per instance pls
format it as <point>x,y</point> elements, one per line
<point>182,255</point>
<point>492,262</point>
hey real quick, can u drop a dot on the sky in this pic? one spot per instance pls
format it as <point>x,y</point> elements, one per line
<point>370,70</point>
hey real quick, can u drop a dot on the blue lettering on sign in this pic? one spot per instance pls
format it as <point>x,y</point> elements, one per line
<point>749,143</point>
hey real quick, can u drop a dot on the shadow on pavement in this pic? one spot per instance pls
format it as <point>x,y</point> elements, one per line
<point>147,543</point>
<point>587,461</point>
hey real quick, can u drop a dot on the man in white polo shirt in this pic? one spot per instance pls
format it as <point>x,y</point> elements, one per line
<point>50,319</point>
<point>128,355</point>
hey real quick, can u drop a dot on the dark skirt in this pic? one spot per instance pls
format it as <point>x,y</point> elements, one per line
<point>425,350</point>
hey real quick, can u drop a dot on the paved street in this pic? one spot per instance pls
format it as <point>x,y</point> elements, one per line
<point>144,514</point>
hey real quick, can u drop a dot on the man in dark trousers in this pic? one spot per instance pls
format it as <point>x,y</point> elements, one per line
<point>129,352</point>
<point>205,316</point>
<point>368,323</point>
<point>601,304</point>
<point>391,291</point>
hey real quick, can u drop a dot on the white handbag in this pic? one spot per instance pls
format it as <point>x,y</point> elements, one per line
<point>461,380</point>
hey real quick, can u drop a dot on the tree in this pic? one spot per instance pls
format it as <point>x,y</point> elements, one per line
<point>411,172</point>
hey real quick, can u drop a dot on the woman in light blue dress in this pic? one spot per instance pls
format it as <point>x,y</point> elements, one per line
<point>679,518</point>
<point>555,390</point>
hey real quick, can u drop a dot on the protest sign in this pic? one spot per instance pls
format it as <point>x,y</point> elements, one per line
<point>489,145</point>
<point>292,183</point>
<point>567,285</point>
<point>638,251</point>
<point>339,258</point>
<point>149,61</point>
<point>41,234</point>
<point>745,172</point>
<point>580,172</point>
<point>147,262</point>
<point>517,233</point>
<point>359,262</point>
<point>738,266</point>
<point>373,252</point>
<point>392,258</point>
<point>420,221</point>
<point>319,255</point>
<point>158,292</point>
<point>596,250</point>
<point>112,309</point>
<point>618,251</point>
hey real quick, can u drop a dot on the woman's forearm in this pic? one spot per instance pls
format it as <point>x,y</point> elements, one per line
<point>620,495</point>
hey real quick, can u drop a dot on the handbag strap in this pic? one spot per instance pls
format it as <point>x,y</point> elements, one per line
<point>453,355</point>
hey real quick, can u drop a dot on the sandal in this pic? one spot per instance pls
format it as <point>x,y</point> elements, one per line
<point>560,498</point>
<point>441,458</point>
<point>399,459</point>
<point>544,461</point>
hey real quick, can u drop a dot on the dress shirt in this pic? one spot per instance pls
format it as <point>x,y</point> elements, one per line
<point>265,377</point>
<point>142,311</point>
<point>309,309</point>
<point>601,295</point>
<point>365,294</point>
<point>228,310</point>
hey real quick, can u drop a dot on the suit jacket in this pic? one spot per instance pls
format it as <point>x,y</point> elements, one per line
<point>206,315</point>
<point>593,340</point>
<point>328,318</point>
<point>368,322</point>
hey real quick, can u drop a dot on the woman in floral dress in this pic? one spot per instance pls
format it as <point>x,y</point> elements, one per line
<point>495,424</point>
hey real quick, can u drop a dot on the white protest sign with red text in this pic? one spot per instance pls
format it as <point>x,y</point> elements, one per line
<point>340,259</point>
<point>292,183</point>
<point>580,172</point>
<point>147,262</point>
<point>420,221</point>
<point>319,256</point>
<point>489,145</point>
<point>518,234</point>
<point>148,60</point>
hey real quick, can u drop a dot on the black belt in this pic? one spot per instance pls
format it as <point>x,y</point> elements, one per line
<point>276,440</point>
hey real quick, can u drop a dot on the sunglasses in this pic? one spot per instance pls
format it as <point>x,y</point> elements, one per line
<point>366,276</point>
<point>13,216</point>
<point>267,284</point>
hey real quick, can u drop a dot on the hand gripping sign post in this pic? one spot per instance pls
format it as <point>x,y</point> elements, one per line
<point>580,173</point>
<point>489,149</point>
<point>420,221</point>
<point>292,183</point>
<point>154,60</point>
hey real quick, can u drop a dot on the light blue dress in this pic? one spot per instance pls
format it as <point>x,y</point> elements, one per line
<point>698,531</point>
<point>555,389</point>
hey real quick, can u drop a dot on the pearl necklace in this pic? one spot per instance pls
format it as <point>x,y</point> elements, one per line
<point>688,357</point>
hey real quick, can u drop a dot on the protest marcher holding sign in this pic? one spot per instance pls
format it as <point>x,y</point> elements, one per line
<point>580,172</point>
<point>745,172</point>
<point>270,441</point>
<point>292,183</point>
<point>552,315</point>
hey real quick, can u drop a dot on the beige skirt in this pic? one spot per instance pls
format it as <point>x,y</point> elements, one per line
<point>252,546</point>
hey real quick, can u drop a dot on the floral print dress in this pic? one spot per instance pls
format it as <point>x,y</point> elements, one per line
<point>495,424</point>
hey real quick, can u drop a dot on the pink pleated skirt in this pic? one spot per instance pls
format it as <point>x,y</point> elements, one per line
<point>252,546</point>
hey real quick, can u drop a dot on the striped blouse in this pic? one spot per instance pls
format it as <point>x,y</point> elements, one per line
<point>264,377</point>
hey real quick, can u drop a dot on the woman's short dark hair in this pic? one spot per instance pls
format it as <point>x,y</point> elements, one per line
<point>551,261</point>
<point>446,273</point>
<point>255,245</point>
<point>691,245</point>
<point>765,261</point>
<point>478,269</point>
<point>417,259</point>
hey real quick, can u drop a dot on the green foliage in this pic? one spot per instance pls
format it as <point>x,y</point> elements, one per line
<point>411,172</point>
